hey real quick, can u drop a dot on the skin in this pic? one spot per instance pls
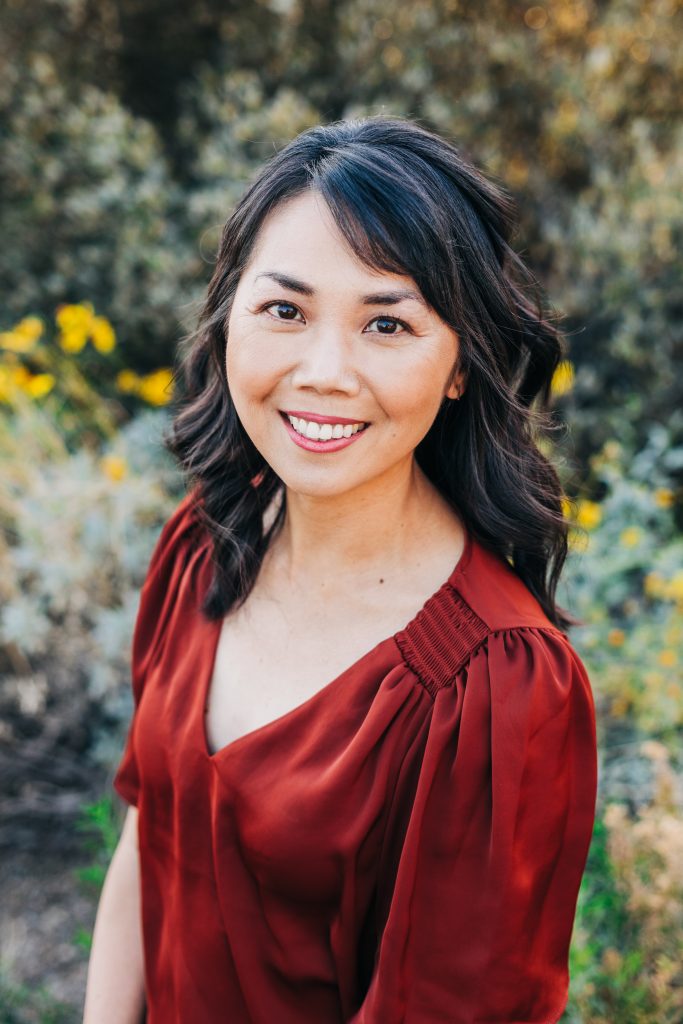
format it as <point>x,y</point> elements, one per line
<point>330,352</point>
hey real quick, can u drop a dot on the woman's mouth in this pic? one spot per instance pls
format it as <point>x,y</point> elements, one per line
<point>322,437</point>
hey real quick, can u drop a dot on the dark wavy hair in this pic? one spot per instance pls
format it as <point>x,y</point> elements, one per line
<point>408,202</point>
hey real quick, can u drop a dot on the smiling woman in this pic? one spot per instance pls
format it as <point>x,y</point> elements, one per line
<point>363,753</point>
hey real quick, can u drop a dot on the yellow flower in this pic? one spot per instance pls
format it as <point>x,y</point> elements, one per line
<point>31,327</point>
<point>39,384</point>
<point>631,536</point>
<point>616,637</point>
<point>127,380</point>
<point>674,587</point>
<point>24,336</point>
<point>563,378</point>
<point>664,497</point>
<point>77,323</point>
<point>73,340</point>
<point>589,514</point>
<point>12,341</point>
<point>654,584</point>
<point>102,334</point>
<point>154,388</point>
<point>12,379</point>
<point>74,315</point>
<point>114,466</point>
<point>667,658</point>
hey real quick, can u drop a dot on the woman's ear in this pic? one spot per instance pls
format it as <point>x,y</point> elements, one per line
<point>456,387</point>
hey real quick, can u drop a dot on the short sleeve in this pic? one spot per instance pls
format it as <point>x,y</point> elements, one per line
<point>481,899</point>
<point>157,596</point>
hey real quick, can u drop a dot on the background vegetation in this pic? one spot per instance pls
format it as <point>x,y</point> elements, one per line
<point>130,130</point>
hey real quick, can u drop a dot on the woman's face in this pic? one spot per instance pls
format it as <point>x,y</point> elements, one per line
<point>317,335</point>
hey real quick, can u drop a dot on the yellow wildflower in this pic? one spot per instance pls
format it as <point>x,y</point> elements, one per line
<point>616,637</point>
<point>589,514</point>
<point>664,497</point>
<point>12,341</point>
<point>674,587</point>
<point>74,315</point>
<point>39,384</point>
<point>12,379</point>
<point>563,378</point>
<point>667,658</point>
<point>567,510</point>
<point>631,536</point>
<point>154,388</point>
<point>654,584</point>
<point>114,466</point>
<point>24,336</point>
<point>73,340</point>
<point>102,334</point>
<point>127,380</point>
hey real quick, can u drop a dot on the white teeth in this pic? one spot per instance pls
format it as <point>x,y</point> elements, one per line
<point>323,431</point>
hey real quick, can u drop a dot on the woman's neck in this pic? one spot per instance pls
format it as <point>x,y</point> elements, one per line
<point>379,527</point>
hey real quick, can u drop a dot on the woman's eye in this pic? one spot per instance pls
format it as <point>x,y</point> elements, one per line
<point>386,325</point>
<point>389,322</point>
<point>291,310</point>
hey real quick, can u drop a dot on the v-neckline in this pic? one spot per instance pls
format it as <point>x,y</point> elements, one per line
<point>205,688</point>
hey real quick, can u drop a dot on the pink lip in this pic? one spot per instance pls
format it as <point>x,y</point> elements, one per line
<point>315,417</point>
<point>320,446</point>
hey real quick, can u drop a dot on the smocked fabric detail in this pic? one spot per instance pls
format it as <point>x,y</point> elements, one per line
<point>441,637</point>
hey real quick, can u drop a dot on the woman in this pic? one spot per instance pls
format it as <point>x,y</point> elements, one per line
<point>362,766</point>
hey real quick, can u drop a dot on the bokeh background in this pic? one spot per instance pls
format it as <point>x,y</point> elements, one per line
<point>129,128</point>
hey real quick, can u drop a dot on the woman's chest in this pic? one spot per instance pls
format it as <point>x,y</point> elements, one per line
<point>268,663</point>
<point>294,793</point>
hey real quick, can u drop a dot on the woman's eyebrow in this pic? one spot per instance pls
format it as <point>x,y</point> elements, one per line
<point>389,298</point>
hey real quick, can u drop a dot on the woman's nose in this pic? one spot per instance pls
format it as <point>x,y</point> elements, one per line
<point>326,362</point>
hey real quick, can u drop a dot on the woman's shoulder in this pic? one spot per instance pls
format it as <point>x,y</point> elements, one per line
<point>484,611</point>
<point>487,583</point>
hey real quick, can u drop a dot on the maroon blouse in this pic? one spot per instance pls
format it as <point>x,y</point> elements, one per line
<point>405,847</point>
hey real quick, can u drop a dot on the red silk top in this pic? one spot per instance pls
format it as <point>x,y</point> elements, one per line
<point>405,847</point>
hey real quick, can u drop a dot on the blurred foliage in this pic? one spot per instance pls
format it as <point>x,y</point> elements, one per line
<point>23,1004</point>
<point>625,579</point>
<point>101,825</point>
<point>625,961</point>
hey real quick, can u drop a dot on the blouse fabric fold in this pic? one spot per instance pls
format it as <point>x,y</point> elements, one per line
<point>405,847</point>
